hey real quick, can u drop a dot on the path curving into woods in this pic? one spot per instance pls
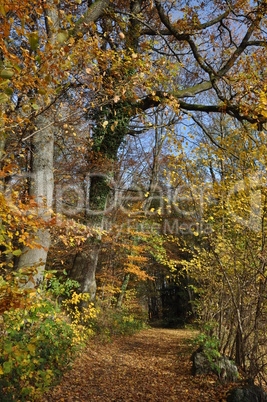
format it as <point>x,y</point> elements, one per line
<point>152,365</point>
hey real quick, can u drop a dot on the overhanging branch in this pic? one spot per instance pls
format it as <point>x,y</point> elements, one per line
<point>91,15</point>
<point>233,110</point>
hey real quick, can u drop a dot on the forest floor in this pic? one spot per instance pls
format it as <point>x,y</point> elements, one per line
<point>152,365</point>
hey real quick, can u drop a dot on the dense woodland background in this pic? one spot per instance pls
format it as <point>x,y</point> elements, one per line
<point>133,182</point>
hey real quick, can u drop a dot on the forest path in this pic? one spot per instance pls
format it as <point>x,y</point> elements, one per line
<point>152,365</point>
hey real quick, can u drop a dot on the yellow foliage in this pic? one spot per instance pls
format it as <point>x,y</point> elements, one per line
<point>81,317</point>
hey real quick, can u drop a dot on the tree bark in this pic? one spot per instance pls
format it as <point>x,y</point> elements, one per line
<point>85,262</point>
<point>123,290</point>
<point>2,144</point>
<point>42,180</point>
<point>41,188</point>
<point>84,268</point>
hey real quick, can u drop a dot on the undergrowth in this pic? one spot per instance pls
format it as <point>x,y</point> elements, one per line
<point>40,337</point>
<point>111,323</point>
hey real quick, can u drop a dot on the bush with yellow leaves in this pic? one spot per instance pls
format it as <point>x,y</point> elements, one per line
<point>36,341</point>
<point>82,313</point>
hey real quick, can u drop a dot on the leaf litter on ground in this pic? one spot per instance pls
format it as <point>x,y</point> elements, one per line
<point>152,365</point>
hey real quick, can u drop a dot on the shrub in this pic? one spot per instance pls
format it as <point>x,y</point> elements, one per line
<point>82,314</point>
<point>210,345</point>
<point>36,342</point>
<point>61,286</point>
<point>111,322</point>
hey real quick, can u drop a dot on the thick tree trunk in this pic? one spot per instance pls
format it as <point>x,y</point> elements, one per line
<point>84,268</point>
<point>85,262</point>
<point>42,180</point>
<point>42,185</point>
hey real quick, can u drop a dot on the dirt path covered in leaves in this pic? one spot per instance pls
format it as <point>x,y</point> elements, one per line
<point>152,365</point>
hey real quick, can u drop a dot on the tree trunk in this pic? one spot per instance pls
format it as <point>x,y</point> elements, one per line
<point>84,268</point>
<point>238,348</point>
<point>123,290</point>
<point>42,180</point>
<point>2,145</point>
<point>85,262</point>
<point>152,190</point>
<point>41,188</point>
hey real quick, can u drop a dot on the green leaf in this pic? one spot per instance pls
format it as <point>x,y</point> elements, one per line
<point>4,98</point>
<point>9,91</point>
<point>34,40</point>
<point>58,90</point>
<point>3,83</point>
<point>7,367</point>
<point>17,252</point>
<point>17,68</point>
<point>62,36</point>
<point>6,73</point>
<point>31,349</point>
<point>8,347</point>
